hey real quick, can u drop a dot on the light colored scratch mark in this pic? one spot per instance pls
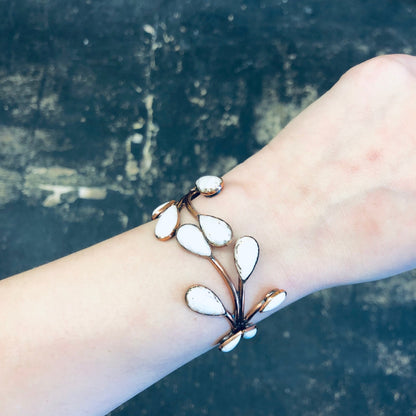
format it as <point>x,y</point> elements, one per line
<point>53,171</point>
<point>83,192</point>
<point>132,167</point>
<point>151,132</point>
<point>393,362</point>
<point>197,101</point>
<point>90,192</point>
<point>55,197</point>
<point>229,120</point>
<point>147,157</point>
<point>149,29</point>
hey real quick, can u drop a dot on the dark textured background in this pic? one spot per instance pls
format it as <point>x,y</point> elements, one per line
<point>105,103</point>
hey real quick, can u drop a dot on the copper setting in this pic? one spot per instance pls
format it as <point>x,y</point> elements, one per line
<point>276,297</point>
<point>161,208</point>
<point>215,233</point>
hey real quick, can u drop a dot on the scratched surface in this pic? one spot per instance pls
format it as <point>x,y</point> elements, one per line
<point>105,104</point>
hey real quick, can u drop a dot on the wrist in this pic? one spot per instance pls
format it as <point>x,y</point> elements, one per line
<point>246,204</point>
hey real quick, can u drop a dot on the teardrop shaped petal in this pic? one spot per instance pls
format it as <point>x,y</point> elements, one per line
<point>209,185</point>
<point>273,300</point>
<point>161,208</point>
<point>246,254</point>
<point>203,300</point>
<point>216,231</point>
<point>190,237</point>
<point>250,332</point>
<point>167,223</point>
<point>231,342</point>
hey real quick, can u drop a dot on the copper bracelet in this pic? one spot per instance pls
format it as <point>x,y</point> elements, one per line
<point>210,233</point>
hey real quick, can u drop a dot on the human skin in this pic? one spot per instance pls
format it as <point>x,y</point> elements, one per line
<point>331,201</point>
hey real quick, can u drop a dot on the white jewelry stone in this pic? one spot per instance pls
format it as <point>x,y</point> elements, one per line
<point>191,238</point>
<point>250,333</point>
<point>216,231</point>
<point>167,223</point>
<point>246,254</point>
<point>230,343</point>
<point>203,300</point>
<point>161,208</point>
<point>273,300</point>
<point>209,185</point>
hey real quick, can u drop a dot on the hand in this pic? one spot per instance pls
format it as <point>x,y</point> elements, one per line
<point>332,199</point>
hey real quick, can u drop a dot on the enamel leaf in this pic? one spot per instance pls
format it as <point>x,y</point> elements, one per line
<point>216,231</point>
<point>246,254</point>
<point>250,332</point>
<point>191,238</point>
<point>161,208</point>
<point>273,300</point>
<point>209,185</point>
<point>167,223</point>
<point>203,300</point>
<point>231,342</point>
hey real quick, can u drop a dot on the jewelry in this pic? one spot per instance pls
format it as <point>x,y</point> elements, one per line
<point>213,232</point>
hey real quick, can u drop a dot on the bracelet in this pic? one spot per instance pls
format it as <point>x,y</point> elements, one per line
<point>212,232</point>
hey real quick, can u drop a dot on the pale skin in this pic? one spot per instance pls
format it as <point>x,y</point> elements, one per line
<point>337,190</point>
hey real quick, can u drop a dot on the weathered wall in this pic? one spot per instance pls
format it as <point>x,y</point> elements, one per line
<point>106,105</point>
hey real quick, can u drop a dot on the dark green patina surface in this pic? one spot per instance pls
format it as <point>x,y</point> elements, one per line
<point>105,104</point>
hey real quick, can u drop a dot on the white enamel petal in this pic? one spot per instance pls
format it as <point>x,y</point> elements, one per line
<point>209,185</point>
<point>250,333</point>
<point>230,343</point>
<point>216,231</point>
<point>273,300</point>
<point>167,223</point>
<point>190,237</point>
<point>246,254</point>
<point>162,207</point>
<point>203,300</point>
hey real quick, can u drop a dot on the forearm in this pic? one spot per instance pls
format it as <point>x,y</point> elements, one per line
<point>85,333</point>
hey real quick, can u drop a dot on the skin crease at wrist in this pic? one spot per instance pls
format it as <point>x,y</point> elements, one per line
<point>326,203</point>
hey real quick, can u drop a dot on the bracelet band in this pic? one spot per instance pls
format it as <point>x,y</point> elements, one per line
<point>212,232</point>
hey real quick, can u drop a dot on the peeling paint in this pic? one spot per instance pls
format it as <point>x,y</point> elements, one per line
<point>273,114</point>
